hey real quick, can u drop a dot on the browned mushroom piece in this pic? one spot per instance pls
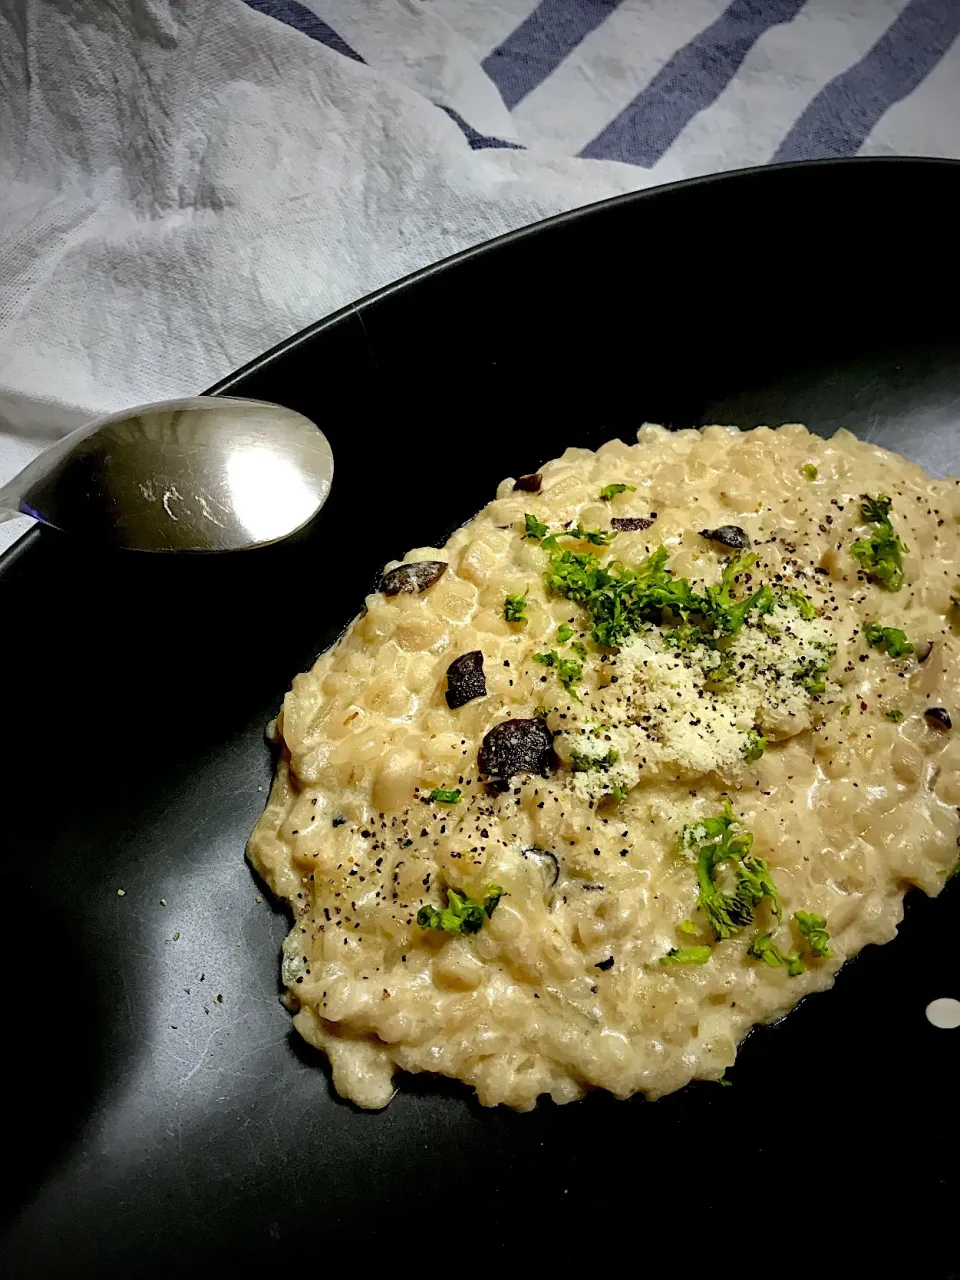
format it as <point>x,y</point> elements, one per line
<point>412,578</point>
<point>465,679</point>
<point>516,746</point>
<point>631,524</point>
<point>547,860</point>
<point>529,484</point>
<point>728,535</point>
<point>938,718</point>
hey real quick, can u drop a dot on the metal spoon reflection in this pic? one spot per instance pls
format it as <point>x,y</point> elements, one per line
<point>201,474</point>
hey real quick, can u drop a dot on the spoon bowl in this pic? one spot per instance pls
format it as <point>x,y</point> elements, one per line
<point>198,474</point>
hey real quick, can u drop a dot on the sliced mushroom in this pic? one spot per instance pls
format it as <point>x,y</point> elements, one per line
<point>922,657</point>
<point>631,524</point>
<point>549,861</point>
<point>529,484</point>
<point>465,679</point>
<point>938,718</point>
<point>412,578</point>
<point>516,746</point>
<point>728,535</point>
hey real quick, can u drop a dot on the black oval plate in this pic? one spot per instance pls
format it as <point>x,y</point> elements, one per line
<point>161,1116</point>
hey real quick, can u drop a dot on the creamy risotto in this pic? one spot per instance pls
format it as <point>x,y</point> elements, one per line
<point>637,760</point>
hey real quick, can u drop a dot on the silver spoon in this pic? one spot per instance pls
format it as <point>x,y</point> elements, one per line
<point>202,474</point>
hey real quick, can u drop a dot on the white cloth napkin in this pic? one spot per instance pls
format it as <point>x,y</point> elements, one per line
<point>184,183</point>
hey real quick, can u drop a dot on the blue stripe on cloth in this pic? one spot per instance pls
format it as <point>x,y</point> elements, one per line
<point>844,112</point>
<point>693,78</point>
<point>294,14</point>
<point>540,44</point>
<point>303,19</point>
<point>478,141</point>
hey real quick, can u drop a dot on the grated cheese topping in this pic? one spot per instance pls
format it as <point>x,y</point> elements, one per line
<point>683,712</point>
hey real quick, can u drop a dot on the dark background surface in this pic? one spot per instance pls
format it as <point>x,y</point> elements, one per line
<point>160,1116</point>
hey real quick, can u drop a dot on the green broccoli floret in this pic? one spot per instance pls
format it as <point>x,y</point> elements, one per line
<point>461,914</point>
<point>890,638</point>
<point>569,670</point>
<point>814,929</point>
<point>803,604</point>
<point>880,555</point>
<point>762,948</point>
<point>753,746</point>
<point>719,840</point>
<point>534,528</point>
<point>515,607</point>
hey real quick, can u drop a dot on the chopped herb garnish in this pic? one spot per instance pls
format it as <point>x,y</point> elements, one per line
<point>564,632</point>
<point>686,955</point>
<point>808,471</point>
<point>439,796</point>
<point>890,638</point>
<point>880,555</point>
<point>727,614</point>
<point>534,528</point>
<point>875,510</point>
<point>620,600</point>
<point>569,670</point>
<point>611,490</point>
<point>754,746</point>
<point>461,914</point>
<point>894,714</point>
<point>762,948</point>
<point>515,607</point>
<point>579,648</point>
<point>596,537</point>
<point>814,929</point>
<point>715,841</point>
<point>687,926</point>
